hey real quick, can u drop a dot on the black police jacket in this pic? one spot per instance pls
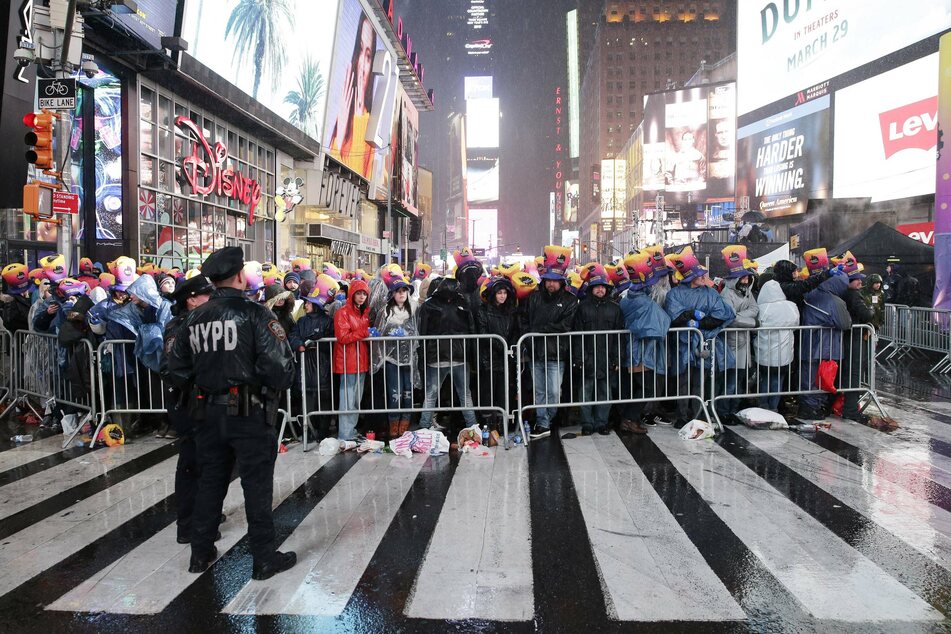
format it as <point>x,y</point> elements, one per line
<point>230,341</point>
<point>598,353</point>
<point>548,313</point>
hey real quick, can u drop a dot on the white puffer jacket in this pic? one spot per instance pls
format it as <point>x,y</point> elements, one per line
<point>774,348</point>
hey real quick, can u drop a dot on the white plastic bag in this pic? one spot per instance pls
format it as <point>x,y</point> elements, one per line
<point>759,418</point>
<point>371,446</point>
<point>697,430</point>
<point>420,441</point>
<point>69,422</point>
<point>328,447</point>
<point>469,439</point>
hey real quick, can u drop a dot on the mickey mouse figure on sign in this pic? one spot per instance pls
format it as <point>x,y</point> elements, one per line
<point>287,197</point>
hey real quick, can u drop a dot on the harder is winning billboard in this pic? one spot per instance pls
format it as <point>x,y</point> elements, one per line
<point>783,161</point>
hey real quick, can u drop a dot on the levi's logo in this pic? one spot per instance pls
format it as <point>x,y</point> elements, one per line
<point>911,126</point>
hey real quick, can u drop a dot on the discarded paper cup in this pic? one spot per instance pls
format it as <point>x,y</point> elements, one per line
<point>347,445</point>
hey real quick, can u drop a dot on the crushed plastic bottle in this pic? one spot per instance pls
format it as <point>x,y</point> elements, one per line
<point>22,438</point>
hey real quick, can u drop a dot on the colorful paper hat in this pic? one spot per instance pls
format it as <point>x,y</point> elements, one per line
<point>592,268</point>
<point>190,273</point>
<point>687,265</point>
<point>360,274</point>
<point>85,265</point>
<point>737,264</point>
<point>524,285</point>
<point>617,275</point>
<point>638,265</point>
<point>576,284</point>
<point>422,271</point>
<point>106,281</point>
<point>465,261</point>
<point>396,284</point>
<point>270,273</point>
<point>124,273</point>
<point>300,264</point>
<point>110,267</point>
<point>254,274</point>
<point>508,270</point>
<point>331,270</point>
<point>857,273</point>
<point>37,275</point>
<point>494,283</point>
<point>816,259</point>
<point>17,277</point>
<point>658,261</point>
<point>391,273</point>
<point>850,266</point>
<point>325,290</point>
<point>557,259</point>
<point>71,287</point>
<point>54,266</point>
<point>532,270</point>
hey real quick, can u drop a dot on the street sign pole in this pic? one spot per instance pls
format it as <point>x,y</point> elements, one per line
<point>64,237</point>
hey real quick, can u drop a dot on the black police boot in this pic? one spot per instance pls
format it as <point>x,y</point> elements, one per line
<point>185,538</point>
<point>279,562</point>
<point>201,564</point>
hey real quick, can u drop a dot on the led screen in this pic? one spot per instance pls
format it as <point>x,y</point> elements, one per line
<point>482,123</point>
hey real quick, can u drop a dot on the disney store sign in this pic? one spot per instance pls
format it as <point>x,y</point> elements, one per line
<point>204,170</point>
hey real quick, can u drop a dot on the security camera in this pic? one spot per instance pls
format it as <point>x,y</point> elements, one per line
<point>90,68</point>
<point>24,56</point>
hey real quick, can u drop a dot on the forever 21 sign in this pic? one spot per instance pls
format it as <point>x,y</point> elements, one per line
<point>205,172</point>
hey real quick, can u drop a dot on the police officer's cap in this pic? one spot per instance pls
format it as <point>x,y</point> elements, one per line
<point>223,264</point>
<point>197,285</point>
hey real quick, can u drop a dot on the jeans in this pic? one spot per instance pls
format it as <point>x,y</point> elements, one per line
<point>546,377</point>
<point>435,375</point>
<point>772,380</point>
<point>595,389</point>
<point>351,393</point>
<point>399,389</point>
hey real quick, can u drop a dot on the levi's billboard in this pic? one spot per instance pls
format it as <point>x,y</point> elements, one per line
<point>891,122</point>
<point>785,46</point>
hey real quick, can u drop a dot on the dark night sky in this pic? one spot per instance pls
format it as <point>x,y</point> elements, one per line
<point>530,63</point>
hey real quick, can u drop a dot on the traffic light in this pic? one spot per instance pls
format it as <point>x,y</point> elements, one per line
<point>41,138</point>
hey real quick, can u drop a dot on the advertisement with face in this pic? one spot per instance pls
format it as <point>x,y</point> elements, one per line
<point>783,161</point>
<point>685,119</point>
<point>784,46</point>
<point>279,55</point>
<point>891,121</point>
<point>361,93</point>
<point>721,150</point>
<point>408,162</point>
<point>655,142</point>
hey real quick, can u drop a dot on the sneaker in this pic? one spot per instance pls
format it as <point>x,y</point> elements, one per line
<point>278,563</point>
<point>662,421</point>
<point>540,432</point>
<point>162,431</point>
<point>171,434</point>
<point>435,426</point>
<point>201,564</point>
<point>650,421</point>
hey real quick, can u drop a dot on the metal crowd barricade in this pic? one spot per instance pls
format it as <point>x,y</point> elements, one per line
<point>6,363</point>
<point>760,374</point>
<point>45,371</point>
<point>125,385</point>
<point>929,330</point>
<point>474,369</point>
<point>611,367</point>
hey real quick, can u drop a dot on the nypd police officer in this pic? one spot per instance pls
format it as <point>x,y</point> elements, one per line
<point>232,357</point>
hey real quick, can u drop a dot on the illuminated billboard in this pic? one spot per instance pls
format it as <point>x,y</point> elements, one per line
<point>572,202</point>
<point>479,87</point>
<point>783,161</point>
<point>289,78</point>
<point>152,20</point>
<point>482,177</point>
<point>786,46</point>
<point>482,123</point>
<point>361,92</point>
<point>613,192</point>
<point>891,122</point>
<point>574,101</point>
<point>688,143</point>
<point>484,228</point>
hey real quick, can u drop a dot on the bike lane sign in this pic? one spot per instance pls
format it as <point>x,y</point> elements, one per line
<point>57,94</point>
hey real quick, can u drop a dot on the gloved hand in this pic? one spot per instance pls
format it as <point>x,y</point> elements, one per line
<point>699,314</point>
<point>340,297</point>
<point>693,323</point>
<point>374,332</point>
<point>399,332</point>
<point>837,270</point>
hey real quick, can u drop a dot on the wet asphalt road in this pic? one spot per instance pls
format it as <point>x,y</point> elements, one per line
<point>845,531</point>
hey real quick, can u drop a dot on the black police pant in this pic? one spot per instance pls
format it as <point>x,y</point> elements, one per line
<point>187,471</point>
<point>249,442</point>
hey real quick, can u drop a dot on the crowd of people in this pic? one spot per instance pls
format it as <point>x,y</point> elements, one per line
<point>646,293</point>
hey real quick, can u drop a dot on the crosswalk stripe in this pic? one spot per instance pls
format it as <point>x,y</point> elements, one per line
<point>29,500</point>
<point>50,541</point>
<point>922,525</point>
<point>19,455</point>
<point>149,578</point>
<point>920,420</point>
<point>832,580</point>
<point>650,569</point>
<point>489,574</point>
<point>335,541</point>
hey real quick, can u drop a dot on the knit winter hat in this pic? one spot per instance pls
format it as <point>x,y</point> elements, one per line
<point>291,276</point>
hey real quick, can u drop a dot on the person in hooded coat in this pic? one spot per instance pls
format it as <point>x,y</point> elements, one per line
<point>874,297</point>
<point>15,304</point>
<point>794,287</point>
<point>352,355</point>
<point>774,348</point>
<point>599,355</point>
<point>738,294</point>
<point>397,359</point>
<point>281,302</point>
<point>858,358</point>
<point>823,307</point>
<point>307,340</point>
<point>497,316</point>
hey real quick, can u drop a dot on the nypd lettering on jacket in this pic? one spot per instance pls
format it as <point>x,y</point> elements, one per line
<point>213,336</point>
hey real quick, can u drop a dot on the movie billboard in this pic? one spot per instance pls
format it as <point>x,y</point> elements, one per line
<point>361,93</point>
<point>287,71</point>
<point>783,161</point>
<point>891,121</point>
<point>407,165</point>
<point>786,46</point>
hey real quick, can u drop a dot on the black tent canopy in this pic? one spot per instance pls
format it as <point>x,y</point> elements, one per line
<point>880,245</point>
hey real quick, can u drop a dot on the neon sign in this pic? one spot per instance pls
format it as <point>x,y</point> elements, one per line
<point>205,172</point>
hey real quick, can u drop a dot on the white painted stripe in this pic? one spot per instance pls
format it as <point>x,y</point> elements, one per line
<point>917,418</point>
<point>23,494</point>
<point>650,570</point>
<point>147,580</point>
<point>44,544</point>
<point>923,526</point>
<point>826,575</point>
<point>489,575</point>
<point>23,454</point>
<point>335,542</point>
<point>900,458</point>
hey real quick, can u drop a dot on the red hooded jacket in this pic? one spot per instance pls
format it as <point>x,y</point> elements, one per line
<point>351,328</point>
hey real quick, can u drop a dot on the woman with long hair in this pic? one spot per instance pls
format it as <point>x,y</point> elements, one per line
<point>397,358</point>
<point>348,138</point>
